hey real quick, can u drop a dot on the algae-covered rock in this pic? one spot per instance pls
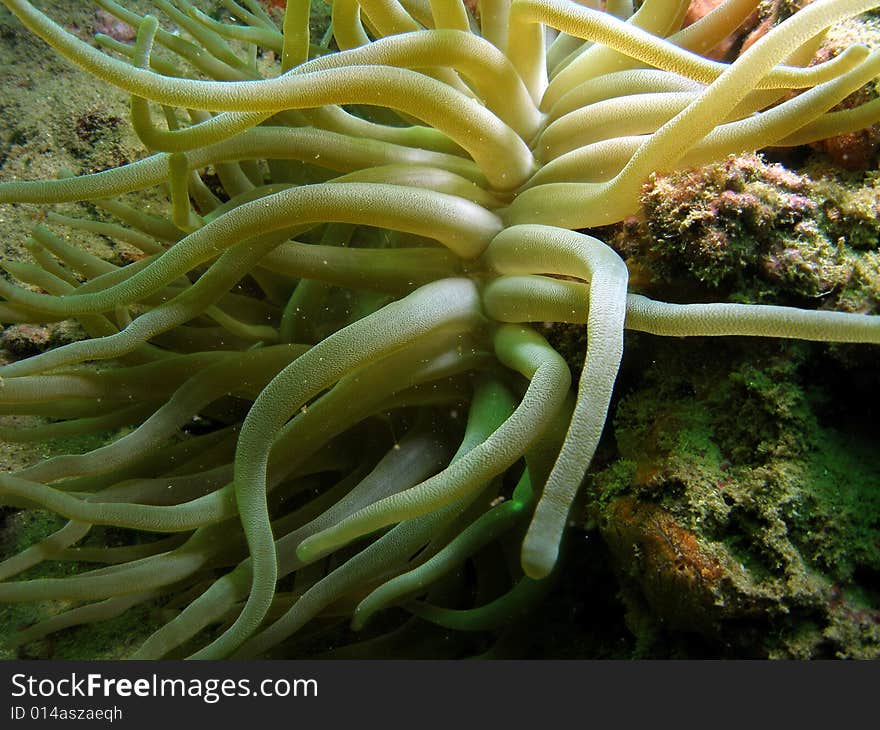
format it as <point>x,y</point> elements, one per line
<point>743,509</point>
<point>759,232</point>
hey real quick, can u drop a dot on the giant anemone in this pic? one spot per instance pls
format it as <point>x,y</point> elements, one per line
<point>343,304</point>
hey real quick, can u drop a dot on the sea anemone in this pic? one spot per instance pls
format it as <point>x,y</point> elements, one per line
<point>331,393</point>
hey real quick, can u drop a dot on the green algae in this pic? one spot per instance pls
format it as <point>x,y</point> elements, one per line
<point>736,514</point>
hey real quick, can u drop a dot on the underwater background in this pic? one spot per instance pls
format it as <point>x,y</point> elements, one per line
<point>733,507</point>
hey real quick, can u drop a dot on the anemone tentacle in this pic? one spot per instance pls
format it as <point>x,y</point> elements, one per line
<point>343,289</point>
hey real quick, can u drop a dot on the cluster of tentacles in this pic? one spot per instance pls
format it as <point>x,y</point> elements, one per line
<point>339,297</point>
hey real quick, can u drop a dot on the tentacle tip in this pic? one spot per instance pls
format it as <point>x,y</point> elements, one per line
<point>538,561</point>
<point>308,550</point>
<point>320,544</point>
<point>359,619</point>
